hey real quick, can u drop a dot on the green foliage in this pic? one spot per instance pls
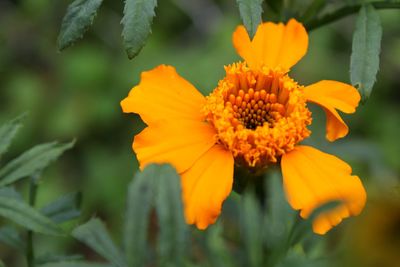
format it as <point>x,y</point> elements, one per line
<point>63,209</point>
<point>79,17</point>
<point>252,228</point>
<point>32,161</point>
<point>49,258</point>
<point>10,236</point>
<point>157,186</point>
<point>95,235</point>
<point>138,16</point>
<point>276,5</point>
<point>26,216</point>
<point>140,195</point>
<point>75,264</point>
<point>364,63</point>
<point>12,205</point>
<point>313,9</point>
<point>168,201</point>
<point>216,248</point>
<point>8,132</point>
<point>250,11</point>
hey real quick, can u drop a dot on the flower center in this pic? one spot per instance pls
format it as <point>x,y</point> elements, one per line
<point>258,115</point>
<point>255,108</point>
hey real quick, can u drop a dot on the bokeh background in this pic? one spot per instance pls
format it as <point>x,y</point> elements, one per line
<point>76,94</point>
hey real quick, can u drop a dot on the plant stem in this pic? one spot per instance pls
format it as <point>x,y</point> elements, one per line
<point>345,11</point>
<point>30,253</point>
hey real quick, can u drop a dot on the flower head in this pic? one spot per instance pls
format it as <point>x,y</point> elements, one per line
<point>259,115</point>
<point>255,117</point>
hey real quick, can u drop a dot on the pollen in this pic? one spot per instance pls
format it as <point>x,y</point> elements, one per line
<point>258,115</point>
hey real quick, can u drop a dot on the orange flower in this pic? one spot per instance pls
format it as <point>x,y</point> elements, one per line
<point>255,118</point>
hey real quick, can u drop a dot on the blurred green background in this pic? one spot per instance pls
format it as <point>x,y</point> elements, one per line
<point>76,94</point>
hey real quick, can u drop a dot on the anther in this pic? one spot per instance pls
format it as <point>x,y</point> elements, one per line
<point>275,85</point>
<point>272,98</point>
<point>251,92</point>
<point>232,98</point>
<point>238,100</point>
<point>263,93</point>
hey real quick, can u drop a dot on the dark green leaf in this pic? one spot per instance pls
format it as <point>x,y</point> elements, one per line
<point>217,251</point>
<point>75,264</point>
<point>279,214</point>
<point>32,161</point>
<point>95,235</point>
<point>79,17</point>
<point>251,223</point>
<point>313,9</point>
<point>275,5</point>
<point>173,228</point>
<point>366,47</point>
<point>140,197</point>
<point>278,220</point>
<point>10,237</point>
<point>10,192</point>
<point>24,215</point>
<point>43,259</point>
<point>64,208</point>
<point>302,228</point>
<point>250,11</point>
<point>137,20</point>
<point>8,132</point>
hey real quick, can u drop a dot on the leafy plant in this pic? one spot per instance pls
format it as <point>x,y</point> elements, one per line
<point>14,208</point>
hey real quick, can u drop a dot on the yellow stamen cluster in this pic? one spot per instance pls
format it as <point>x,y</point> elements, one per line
<point>259,115</point>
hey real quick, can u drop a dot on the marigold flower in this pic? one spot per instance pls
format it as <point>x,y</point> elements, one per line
<point>255,118</point>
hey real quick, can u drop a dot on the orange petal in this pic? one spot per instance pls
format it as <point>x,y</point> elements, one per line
<point>206,185</point>
<point>332,95</point>
<point>180,143</point>
<point>164,95</point>
<point>273,46</point>
<point>312,178</point>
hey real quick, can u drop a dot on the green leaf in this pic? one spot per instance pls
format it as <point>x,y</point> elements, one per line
<point>137,20</point>
<point>366,47</point>
<point>95,235</point>
<point>302,228</point>
<point>250,12</point>
<point>140,196</point>
<point>251,223</point>
<point>275,5</point>
<point>217,251</point>
<point>24,215</point>
<point>75,264</point>
<point>32,161</point>
<point>173,228</point>
<point>48,258</point>
<point>313,9</point>
<point>79,17</point>
<point>279,214</point>
<point>10,237</point>
<point>64,208</point>
<point>10,192</point>
<point>8,132</point>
